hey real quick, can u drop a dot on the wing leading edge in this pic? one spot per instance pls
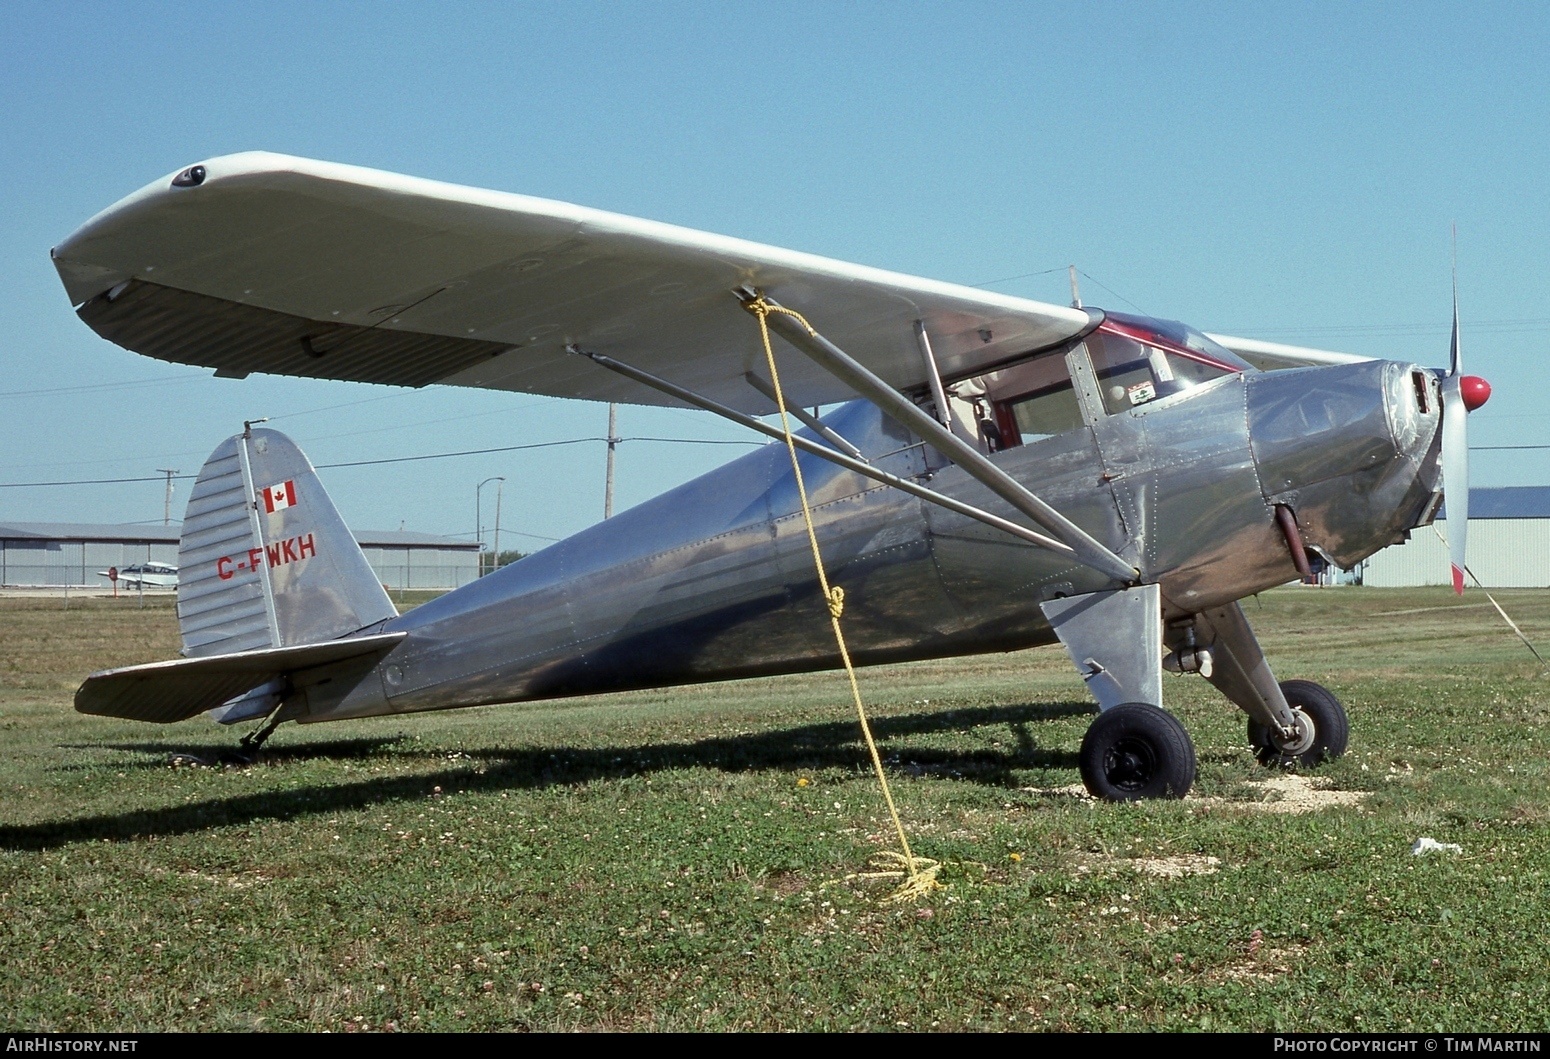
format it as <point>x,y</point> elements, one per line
<point>269,263</point>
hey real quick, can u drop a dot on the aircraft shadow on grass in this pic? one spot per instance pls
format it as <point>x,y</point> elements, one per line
<point>326,750</point>
<point>834,744</point>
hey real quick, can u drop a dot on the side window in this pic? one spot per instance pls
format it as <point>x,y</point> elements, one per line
<point>1028,402</point>
<point>1046,412</point>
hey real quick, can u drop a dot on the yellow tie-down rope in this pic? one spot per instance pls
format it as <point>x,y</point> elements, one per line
<point>919,873</point>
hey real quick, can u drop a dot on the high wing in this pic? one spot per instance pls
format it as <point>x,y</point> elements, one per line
<point>1270,356</point>
<point>262,262</point>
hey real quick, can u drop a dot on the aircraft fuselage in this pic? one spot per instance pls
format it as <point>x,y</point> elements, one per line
<point>714,580</point>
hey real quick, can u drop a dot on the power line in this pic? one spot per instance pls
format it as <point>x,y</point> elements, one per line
<point>1399,330</point>
<point>391,459</point>
<point>518,448</point>
<point>90,481</point>
<point>160,380</point>
<point>535,536</point>
<point>695,441</point>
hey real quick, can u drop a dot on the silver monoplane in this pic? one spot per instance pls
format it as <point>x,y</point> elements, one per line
<point>1003,473</point>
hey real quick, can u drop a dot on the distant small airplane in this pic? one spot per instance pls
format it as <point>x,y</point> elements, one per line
<point>149,575</point>
<point>1013,474</point>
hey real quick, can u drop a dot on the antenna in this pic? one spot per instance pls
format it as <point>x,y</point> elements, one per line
<point>1076,295</point>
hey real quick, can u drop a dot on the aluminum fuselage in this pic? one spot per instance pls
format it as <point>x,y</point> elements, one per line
<point>714,580</point>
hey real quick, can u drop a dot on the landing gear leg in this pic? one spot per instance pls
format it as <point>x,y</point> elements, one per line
<point>250,744</point>
<point>1135,749</point>
<point>1293,721</point>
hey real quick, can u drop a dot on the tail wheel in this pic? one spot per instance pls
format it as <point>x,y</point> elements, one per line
<point>1135,751</point>
<point>1327,734</point>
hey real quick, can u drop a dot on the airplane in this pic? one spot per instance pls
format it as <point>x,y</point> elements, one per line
<point>148,575</point>
<point>1000,473</point>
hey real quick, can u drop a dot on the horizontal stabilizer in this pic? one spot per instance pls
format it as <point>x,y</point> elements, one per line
<point>163,692</point>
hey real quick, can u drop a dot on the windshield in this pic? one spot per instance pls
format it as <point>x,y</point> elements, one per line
<point>1139,360</point>
<point>1182,336</point>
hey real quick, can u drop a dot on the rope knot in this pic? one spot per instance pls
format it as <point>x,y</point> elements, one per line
<point>763,310</point>
<point>836,601</point>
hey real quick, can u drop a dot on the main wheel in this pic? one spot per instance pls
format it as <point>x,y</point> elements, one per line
<point>1136,751</point>
<point>1315,706</point>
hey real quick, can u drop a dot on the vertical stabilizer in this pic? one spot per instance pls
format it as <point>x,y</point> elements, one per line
<point>265,560</point>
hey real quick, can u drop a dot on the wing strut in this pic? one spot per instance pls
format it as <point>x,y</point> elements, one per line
<point>861,467</point>
<point>933,375</point>
<point>809,420</point>
<point>795,330</point>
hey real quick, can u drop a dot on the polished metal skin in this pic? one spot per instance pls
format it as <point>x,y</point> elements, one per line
<point>714,580</point>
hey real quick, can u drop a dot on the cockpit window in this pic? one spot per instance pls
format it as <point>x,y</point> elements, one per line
<point>1027,402</point>
<point>1139,360</point>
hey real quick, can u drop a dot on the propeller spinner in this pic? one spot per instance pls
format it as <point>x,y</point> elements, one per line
<point>1461,394</point>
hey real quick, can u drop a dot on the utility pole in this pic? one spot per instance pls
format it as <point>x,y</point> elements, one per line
<point>479,520</point>
<point>613,443</point>
<point>1076,295</point>
<point>501,484</point>
<point>166,509</point>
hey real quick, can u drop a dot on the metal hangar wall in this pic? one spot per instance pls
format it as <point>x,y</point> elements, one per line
<point>1509,544</point>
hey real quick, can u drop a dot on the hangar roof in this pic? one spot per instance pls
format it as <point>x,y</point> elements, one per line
<point>410,539</point>
<point>1512,501</point>
<point>158,534</point>
<point>89,531</point>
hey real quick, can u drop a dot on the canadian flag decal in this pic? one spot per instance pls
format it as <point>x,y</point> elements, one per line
<point>279,497</point>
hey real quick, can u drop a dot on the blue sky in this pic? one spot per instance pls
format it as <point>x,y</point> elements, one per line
<point>1288,172</point>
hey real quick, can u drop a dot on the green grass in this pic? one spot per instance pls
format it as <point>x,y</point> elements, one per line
<point>655,861</point>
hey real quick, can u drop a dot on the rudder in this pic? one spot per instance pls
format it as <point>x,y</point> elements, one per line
<point>265,560</point>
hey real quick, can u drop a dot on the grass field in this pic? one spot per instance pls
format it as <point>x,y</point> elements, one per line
<point>686,859</point>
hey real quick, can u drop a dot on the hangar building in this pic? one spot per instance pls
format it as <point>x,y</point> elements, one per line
<point>72,553</point>
<point>1509,544</point>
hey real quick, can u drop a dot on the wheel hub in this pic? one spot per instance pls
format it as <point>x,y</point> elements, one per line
<point>1302,737</point>
<point>1130,764</point>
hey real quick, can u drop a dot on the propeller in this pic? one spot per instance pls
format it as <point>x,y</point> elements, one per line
<point>1461,394</point>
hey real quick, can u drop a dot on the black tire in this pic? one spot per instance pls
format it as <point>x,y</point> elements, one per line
<point>1331,727</point>
<point>1135,751</point>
